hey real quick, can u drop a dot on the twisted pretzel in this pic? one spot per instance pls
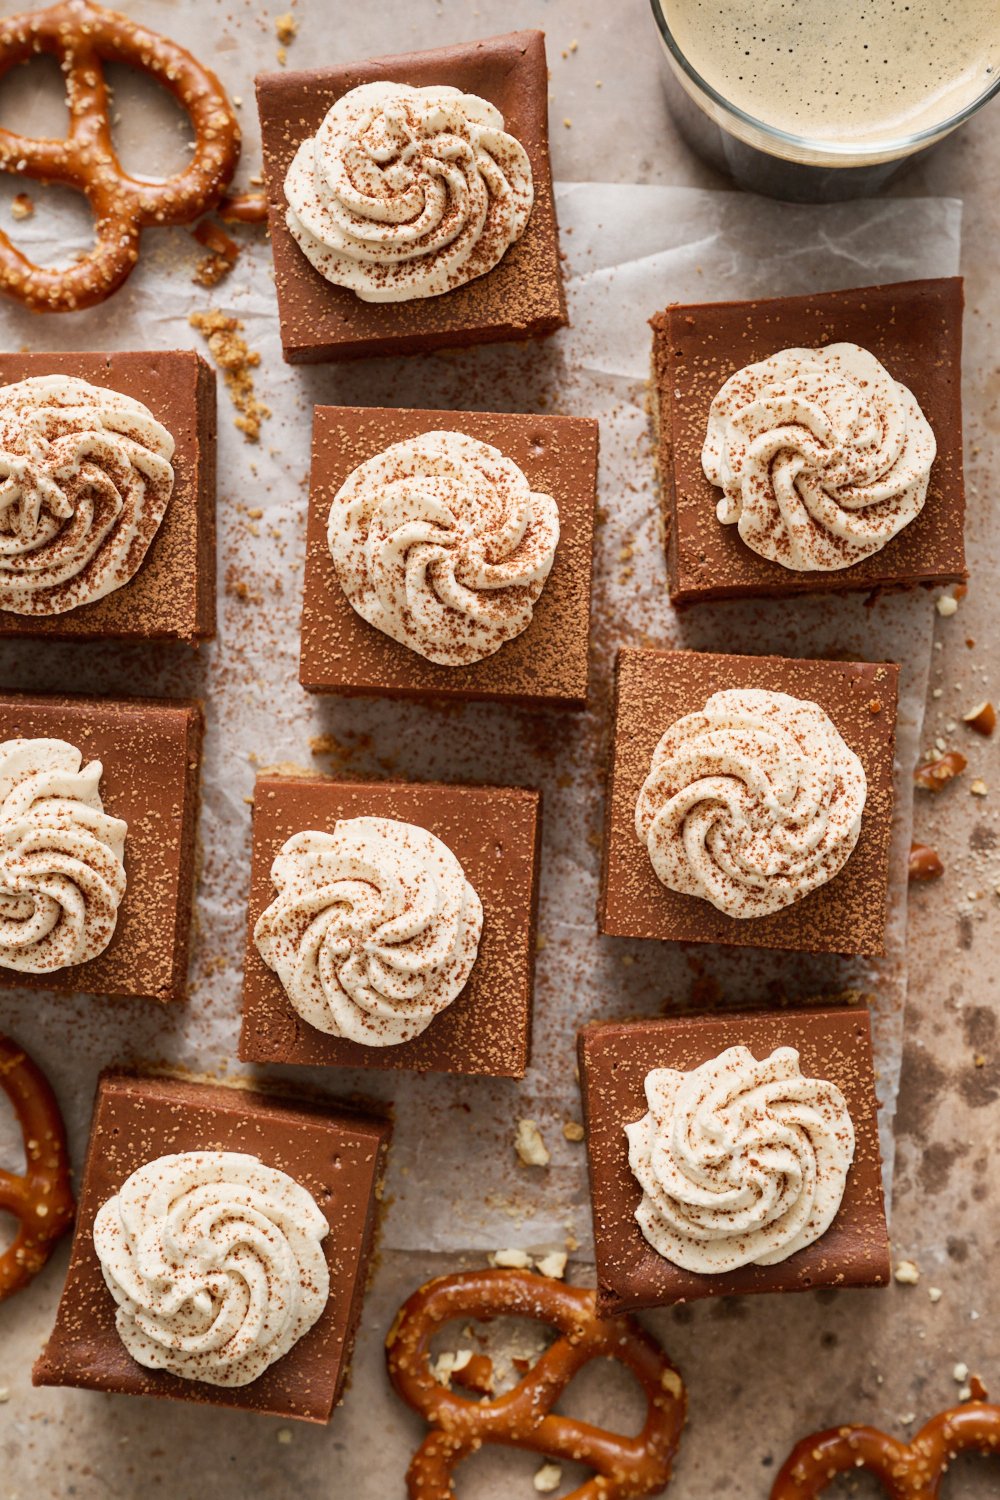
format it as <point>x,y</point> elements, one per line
<point>81,36</point>
<point>907,1471</point>
<point>41,1200</point>
<point>625,1468</point>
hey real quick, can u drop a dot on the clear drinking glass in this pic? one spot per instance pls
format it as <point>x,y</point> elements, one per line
<point>769,160</point>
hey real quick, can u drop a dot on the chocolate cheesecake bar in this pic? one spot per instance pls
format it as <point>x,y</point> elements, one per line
<point>494,832</point>
<point>913,328</point>
<point>615,1058</point>
<point>150,754</point>
<point>846,912</point>
<point>521,297</point>
<point>544,666</point>
<point>171,596</point>
<point>338,1157</point>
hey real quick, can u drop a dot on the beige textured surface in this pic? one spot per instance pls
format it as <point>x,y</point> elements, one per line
<point>761,1372</point>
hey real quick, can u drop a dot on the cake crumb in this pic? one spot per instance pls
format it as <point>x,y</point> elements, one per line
<point>530,1147</point>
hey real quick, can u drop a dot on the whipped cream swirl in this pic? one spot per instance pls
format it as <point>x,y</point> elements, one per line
<point>822,456</point>
<point>740,1162</point>
<point>216,1263</point>
<point>374,930</point>
<point>85,479</point>
<point>440,542</point>
<point>407,192</point>
<point>751,803</point>
<point>61,872</point>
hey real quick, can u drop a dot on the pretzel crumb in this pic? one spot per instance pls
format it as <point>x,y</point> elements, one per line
<point>446,1364</point>
<point>237,361</point>
<point>510,1260</point>
<point>475,1374</point>
<point>22,206</point>
<point>907,1273</point>
<point>982,718</point>
<point>286,28</point>
<point>573,1130</point>
<point>222,256</point>
<point>552,1265</point>
<point>548,1478</point>
<point>530,1147</point>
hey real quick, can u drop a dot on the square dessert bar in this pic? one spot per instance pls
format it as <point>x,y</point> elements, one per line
<point>615,1057</point>
<point>653,690</point>
<point>520,298</point>
<point>495,833</point>
<point>150,750</point>
<point>336,1156</point>
<point>914,328</point>
<point>172,596</point>
<point>546,665</point>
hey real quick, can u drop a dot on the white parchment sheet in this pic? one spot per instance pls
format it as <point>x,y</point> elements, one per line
<point>454,1182</point>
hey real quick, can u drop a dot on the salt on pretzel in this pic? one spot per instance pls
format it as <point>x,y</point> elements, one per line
<point>41,1200</point>
<point>907,1471</point>
<point>625,1468</point>
<point>81,36</point>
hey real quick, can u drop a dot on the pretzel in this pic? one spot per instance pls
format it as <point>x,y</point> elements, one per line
<point>81,36</point>
<point>243,208</point>
<point>41,1200</point>
<point>907,1471</point>
<point>624,1467</point>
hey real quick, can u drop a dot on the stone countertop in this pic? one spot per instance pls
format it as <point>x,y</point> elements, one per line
<point>764,1371</point>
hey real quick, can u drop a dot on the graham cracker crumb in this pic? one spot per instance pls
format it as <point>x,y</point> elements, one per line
<point>236,360</point>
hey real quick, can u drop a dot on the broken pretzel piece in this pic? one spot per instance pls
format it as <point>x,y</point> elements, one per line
<point>934,775</point>
<point>925,863</point>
